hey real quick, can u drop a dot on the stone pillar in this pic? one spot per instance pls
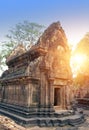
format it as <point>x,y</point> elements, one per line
<point>5,94</point>
<point>29,95</point>
<point>46,91</point>
<point>63,96</point>
<point>8,95</point>
<point>42,89</point>
<point>51,92</point>
<point>13,94</point>
<point>26,95</point>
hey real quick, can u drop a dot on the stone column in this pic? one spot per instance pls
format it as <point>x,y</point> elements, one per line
<point>26,95</point>
<point>5,96</point>
<point>63,96</point>
<point>42,89</point>
<point>29,91</point>
<point>51,92</point>
<point>8,94</point>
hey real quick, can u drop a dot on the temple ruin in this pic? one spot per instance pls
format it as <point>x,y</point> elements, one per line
<point>38,81</point>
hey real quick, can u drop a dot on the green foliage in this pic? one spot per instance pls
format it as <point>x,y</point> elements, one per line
<point>25,33</point>
<point>2,60</point>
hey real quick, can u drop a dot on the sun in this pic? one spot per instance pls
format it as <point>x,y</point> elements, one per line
<point>79,59</point>
<point>77,63</point>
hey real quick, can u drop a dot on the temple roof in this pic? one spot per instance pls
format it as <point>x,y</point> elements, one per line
<point>50,53</point>
<point>53,36</point>
<point>31,54</point>
<point>19,50</point>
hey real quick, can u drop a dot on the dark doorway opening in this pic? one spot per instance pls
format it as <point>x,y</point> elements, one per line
<point>57,98</point>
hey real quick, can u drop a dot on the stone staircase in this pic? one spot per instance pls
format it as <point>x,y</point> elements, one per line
<point>59,118</point>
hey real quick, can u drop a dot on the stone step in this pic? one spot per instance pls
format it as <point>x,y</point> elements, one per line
<point>20,108</point>
<point>28,114</point>
<point>12,109</point>
<point>45,121</point>
<point>77,120</point>
<point>16,110</point>
<point>85,107</point>
<point>64,113</point>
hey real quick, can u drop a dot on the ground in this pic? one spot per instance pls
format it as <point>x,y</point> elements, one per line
<point>8,124</point>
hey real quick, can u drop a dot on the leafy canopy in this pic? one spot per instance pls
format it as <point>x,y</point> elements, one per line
<point>26,33</point>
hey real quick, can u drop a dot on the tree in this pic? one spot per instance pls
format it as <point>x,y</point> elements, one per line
<point>83,45</point>
<point>80,56</point>
<point>2,61</point>
<point>25,33</point>
<point>81,64</point>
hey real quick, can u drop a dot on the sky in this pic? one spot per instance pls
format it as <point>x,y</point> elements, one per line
<point>72,14</point>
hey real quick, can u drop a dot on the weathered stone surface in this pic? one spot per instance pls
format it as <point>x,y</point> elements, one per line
<point>19,50</point>
<point>53,36</point>
<point>54,40</point>
<point>38,81</point>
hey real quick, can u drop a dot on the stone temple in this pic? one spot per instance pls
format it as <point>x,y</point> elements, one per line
<point>37,87</point>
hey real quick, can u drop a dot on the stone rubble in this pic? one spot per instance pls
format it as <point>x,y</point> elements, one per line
<point>8,124</point>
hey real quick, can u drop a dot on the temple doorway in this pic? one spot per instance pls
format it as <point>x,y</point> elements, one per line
<point>57,96</point>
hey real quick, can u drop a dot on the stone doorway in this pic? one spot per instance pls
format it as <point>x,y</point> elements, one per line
<point>57,96</point>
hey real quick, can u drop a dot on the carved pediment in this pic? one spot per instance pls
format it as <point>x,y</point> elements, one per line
<point>53,36</point>
<point>19,50</point>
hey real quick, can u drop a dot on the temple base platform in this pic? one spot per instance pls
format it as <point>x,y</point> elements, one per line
<point>42,117</point>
